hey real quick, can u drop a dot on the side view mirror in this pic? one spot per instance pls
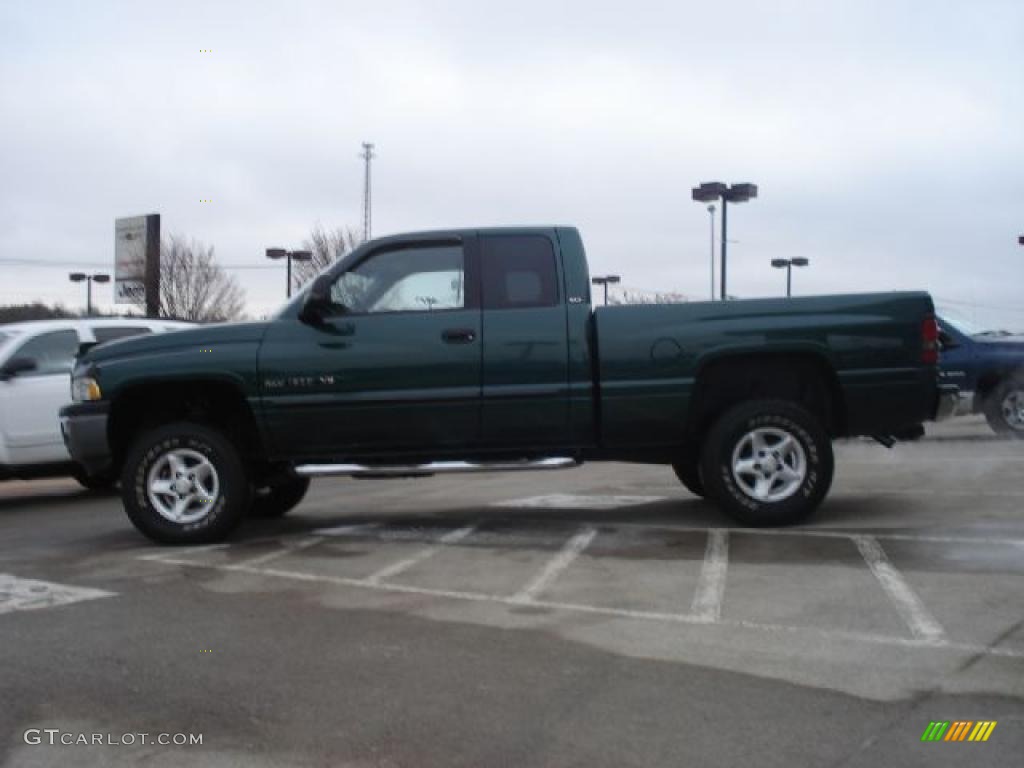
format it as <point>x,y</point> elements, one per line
<point>318,300</point>
<point>17,365</point>
<point>946,341</point>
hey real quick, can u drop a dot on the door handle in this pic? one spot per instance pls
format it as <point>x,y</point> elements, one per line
<point>458,335</point>
<point>339,329</point>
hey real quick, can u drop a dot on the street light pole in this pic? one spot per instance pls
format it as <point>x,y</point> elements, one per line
<point>80,277</point>
<point>711,210</point>
<point>788,265</point>
<point>724,246</point>
<point>605,280</point>
<point>710,191</point>
<point>281,253</point>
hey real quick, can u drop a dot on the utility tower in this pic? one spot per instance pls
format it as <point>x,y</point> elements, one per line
<point>367,157</point>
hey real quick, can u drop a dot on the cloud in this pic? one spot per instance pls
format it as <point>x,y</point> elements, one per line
<point>886,141</point>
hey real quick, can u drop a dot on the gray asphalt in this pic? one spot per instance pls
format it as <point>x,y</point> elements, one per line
<point>593,617</point>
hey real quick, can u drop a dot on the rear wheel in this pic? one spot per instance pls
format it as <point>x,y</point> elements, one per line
<point>184,483</point>
<point>279,497</point>
<point>767,463</point>
<point>1004,408</point>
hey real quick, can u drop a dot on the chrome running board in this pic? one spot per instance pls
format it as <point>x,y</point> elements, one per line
<point>433,467</point>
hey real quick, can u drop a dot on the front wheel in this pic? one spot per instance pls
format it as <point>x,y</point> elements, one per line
<point>767,463</point>
<point>184,483</point>
<point>1004,409</point>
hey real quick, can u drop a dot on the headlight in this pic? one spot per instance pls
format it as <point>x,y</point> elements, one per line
<point>85,388</point>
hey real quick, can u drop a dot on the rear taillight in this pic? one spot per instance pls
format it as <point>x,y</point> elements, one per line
<point>929,340</point>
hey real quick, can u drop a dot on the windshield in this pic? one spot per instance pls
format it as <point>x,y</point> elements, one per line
<point>7,336</point>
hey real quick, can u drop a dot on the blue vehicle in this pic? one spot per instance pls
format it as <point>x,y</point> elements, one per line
<point>988,367</point>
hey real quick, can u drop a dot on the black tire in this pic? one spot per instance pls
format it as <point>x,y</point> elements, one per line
<point>996,408</point>
<point>103,481</point>
<point>688,472</point>
<point>217,518</point>
<point>732,435</point>
<point>280,497</point>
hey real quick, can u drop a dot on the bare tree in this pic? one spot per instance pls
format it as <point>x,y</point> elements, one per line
<point>327,246</point>
<point>193,286</point>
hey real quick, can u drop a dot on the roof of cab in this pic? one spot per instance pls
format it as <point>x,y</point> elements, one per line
<point>441,234</point>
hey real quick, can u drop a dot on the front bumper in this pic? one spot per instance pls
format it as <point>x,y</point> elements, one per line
<point>84,429</point>
<point>948,402</point>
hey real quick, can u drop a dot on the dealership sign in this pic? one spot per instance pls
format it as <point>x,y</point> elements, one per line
<point>137,262</point>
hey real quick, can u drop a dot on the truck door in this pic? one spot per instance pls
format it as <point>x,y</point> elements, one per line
<point>29,401</point>
<point>525,346</point>
<point>395,366</point>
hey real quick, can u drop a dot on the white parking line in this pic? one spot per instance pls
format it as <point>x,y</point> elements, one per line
<point>812,532</point>
<point>707,600</point>
<point>946,493</point>
<point>826,635</point>
<point>344,530</point>
<point>390,571</point>
<point>28,594</point>
<point>418,534</point>
<point>556,565</point>
<point>706,608</point>
<point>922,624</point>
<point>572,501</point>
<point>165,555</point>
<point>287,548</point>
<point>928,460</point>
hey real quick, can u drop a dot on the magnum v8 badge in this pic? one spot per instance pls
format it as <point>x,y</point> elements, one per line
<point>323,380</point>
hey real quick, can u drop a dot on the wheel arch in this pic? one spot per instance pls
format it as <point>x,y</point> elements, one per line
<point>216,402</point>
<point>990,379</point>
<point>805,377</point>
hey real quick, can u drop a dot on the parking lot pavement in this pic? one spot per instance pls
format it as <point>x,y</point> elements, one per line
<point>600,616</point>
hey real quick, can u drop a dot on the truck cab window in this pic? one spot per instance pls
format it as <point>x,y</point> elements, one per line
<point>518,272</point>
<point>419,279</point>
<point>53,352</point>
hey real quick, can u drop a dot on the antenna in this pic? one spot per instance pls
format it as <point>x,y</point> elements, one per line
<point>367,156</point>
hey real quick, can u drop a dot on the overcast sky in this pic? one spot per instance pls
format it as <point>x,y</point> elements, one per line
<point>887,138</point>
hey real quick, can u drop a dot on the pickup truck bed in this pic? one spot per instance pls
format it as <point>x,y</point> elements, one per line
<point>469,349</point>
<point>863,349</point>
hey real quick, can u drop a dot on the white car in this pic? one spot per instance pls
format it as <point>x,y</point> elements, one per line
<point>35,381</point>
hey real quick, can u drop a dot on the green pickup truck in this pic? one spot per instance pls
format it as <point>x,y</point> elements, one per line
<point>471,350</point>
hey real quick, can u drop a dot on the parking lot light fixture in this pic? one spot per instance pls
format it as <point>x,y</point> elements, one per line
<point>605,280</point>
<point>708,192</point>
<point>289,256</point>
<point>788,264</point>
<point>82,277</point>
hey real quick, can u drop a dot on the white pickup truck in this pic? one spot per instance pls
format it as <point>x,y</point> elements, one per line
<point>35,381</point>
